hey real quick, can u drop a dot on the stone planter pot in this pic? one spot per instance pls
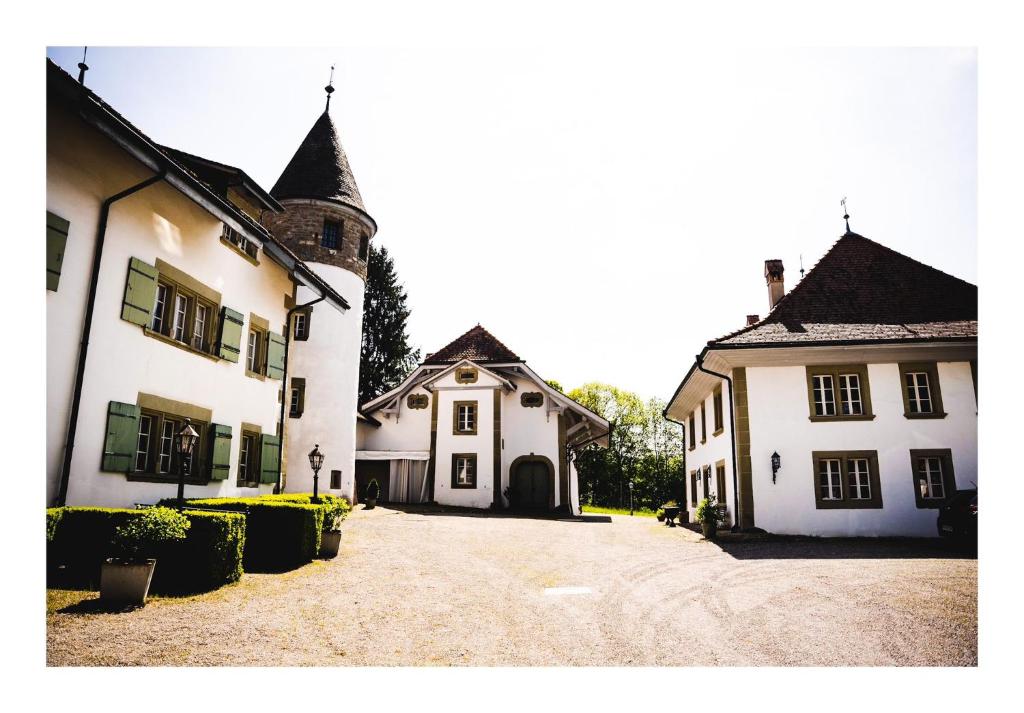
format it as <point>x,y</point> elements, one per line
<point>370,503</point>
<point>709,530</point>
<point>126,582</point>
<point>330,542</point>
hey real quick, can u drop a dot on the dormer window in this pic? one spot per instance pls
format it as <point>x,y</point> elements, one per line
<point>331,236</point>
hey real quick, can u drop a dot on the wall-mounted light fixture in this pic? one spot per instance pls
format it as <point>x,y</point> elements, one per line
<point>776,464</point>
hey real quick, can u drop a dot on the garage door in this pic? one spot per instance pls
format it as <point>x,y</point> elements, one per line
<point>531,485</point>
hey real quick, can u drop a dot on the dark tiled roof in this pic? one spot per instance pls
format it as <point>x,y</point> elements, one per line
<point>319,169</point>
<point>476,345</point>
<point>863,291</point>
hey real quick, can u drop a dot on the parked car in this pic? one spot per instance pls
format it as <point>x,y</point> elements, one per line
<point>959,516</point>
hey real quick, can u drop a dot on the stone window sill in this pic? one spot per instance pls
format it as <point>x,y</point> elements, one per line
<point>718,432</point>
<point>180,345</point>
<point>239,251</point>
<point>827,419</point>
<point>255,375</point>
<point>167,478</point>
<point>924,415</point>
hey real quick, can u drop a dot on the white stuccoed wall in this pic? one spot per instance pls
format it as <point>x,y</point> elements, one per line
<point>408,431</point>
<point>716,448</point>
<point>158,222</point>
<point>329,362</point>
<point>482,444</point>
<point>528,431</point>
<point>779,412</point>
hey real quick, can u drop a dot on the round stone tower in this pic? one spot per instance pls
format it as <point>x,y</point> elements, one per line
<point>325,223</point>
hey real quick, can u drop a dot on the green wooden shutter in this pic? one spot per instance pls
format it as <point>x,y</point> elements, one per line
<point>220,451</point>
<point>56,239</point>
<point>275,356</point>
<point>122,437</point>
<point>230,342</point>
<point>139,293</point>
<point>270,447</point>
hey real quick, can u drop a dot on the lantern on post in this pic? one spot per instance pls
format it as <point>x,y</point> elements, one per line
<point>186,443</point>
<point>316,462</point>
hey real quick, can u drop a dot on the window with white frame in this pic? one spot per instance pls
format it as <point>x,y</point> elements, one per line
<point>465,418</point>
<point>919,395</point>
<point>849,394</point>
<point>824,395</point>
<point>464,470</point>
<point>142,444</point>
<point>830,479</point>
<point>180,316</point>
<point>846,480</point>
<point>858,473</point>
<point>301,324</point>
<point>199,325</point>
<point>929,478</point>
<point>159,307</point>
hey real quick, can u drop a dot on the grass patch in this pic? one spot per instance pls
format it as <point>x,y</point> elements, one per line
<point>598,510</point>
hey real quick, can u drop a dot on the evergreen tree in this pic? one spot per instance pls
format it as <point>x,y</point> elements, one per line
<point>386,356</point>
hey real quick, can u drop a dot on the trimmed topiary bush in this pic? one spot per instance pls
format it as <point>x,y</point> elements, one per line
<point>53,518</point>
<point>280,534</point>
<point>208,557</point>
<point>151,533</point>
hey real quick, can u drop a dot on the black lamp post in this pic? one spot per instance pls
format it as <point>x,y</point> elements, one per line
<point>631,498</point>
<point>776,464</point>
<point>186,443</point>
<point>316,462</point>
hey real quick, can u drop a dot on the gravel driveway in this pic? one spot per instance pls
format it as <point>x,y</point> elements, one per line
<point>431,588</point>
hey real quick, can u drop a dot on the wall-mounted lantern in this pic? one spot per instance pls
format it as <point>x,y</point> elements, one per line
<point>776,464</point>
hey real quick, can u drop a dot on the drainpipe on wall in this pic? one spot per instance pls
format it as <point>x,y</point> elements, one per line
<point>686,481</point>
<point>284,382</point>
<point>732,434</point>
<point>83,348</point>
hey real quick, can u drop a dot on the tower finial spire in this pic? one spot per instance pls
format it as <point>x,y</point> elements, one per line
<point>82,66</point>
<point>330,90</point>
<point>846,214</point>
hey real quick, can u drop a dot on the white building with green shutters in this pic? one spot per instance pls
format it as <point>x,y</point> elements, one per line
<point>167,299</point>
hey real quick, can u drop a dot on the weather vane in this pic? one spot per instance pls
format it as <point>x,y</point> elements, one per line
<point>846,214</point>
<point>82,66</point>
<point>330,90</point>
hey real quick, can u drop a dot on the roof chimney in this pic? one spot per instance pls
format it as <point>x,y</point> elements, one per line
<point>773,276</point>
<point>753,319</point>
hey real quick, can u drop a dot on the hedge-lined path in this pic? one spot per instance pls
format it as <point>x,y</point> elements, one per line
<point>434,588</point>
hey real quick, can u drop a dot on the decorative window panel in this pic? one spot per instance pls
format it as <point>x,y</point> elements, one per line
<point>531,399</point>
<point>466,375</point>
<point>417,401</point>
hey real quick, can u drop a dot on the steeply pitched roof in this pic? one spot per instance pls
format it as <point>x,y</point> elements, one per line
<point>861,291</point>
<point>319,169</point>
<point>476,345</point>
<point>219,176</point>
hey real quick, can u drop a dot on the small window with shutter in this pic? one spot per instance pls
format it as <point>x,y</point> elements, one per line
<point>56,240</point>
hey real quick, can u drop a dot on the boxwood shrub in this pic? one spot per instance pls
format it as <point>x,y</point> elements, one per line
<point>209,557</point>
<point>280,534</point>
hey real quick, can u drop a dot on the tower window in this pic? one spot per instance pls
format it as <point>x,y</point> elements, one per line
<point>331,236</point>
<point>364,246</point>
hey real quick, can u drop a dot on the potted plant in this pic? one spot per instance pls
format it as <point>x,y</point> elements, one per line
<point>709,516</point>
<point>336,509</point>
<point>372,493</point>
<point>671,510</point>
<point>125,578</point>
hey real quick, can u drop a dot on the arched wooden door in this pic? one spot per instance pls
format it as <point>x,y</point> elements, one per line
<point>531,485</point>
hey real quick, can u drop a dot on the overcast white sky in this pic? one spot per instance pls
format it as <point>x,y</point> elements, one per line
<point>604,214</point>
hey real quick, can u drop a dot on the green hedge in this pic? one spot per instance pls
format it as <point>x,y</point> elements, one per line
<point>280,534</point>
<point>335,507</point>
<point>209,557</point>
<point>53,518</point>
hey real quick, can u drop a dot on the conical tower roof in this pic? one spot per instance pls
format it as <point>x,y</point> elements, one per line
<point>319,169</point>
